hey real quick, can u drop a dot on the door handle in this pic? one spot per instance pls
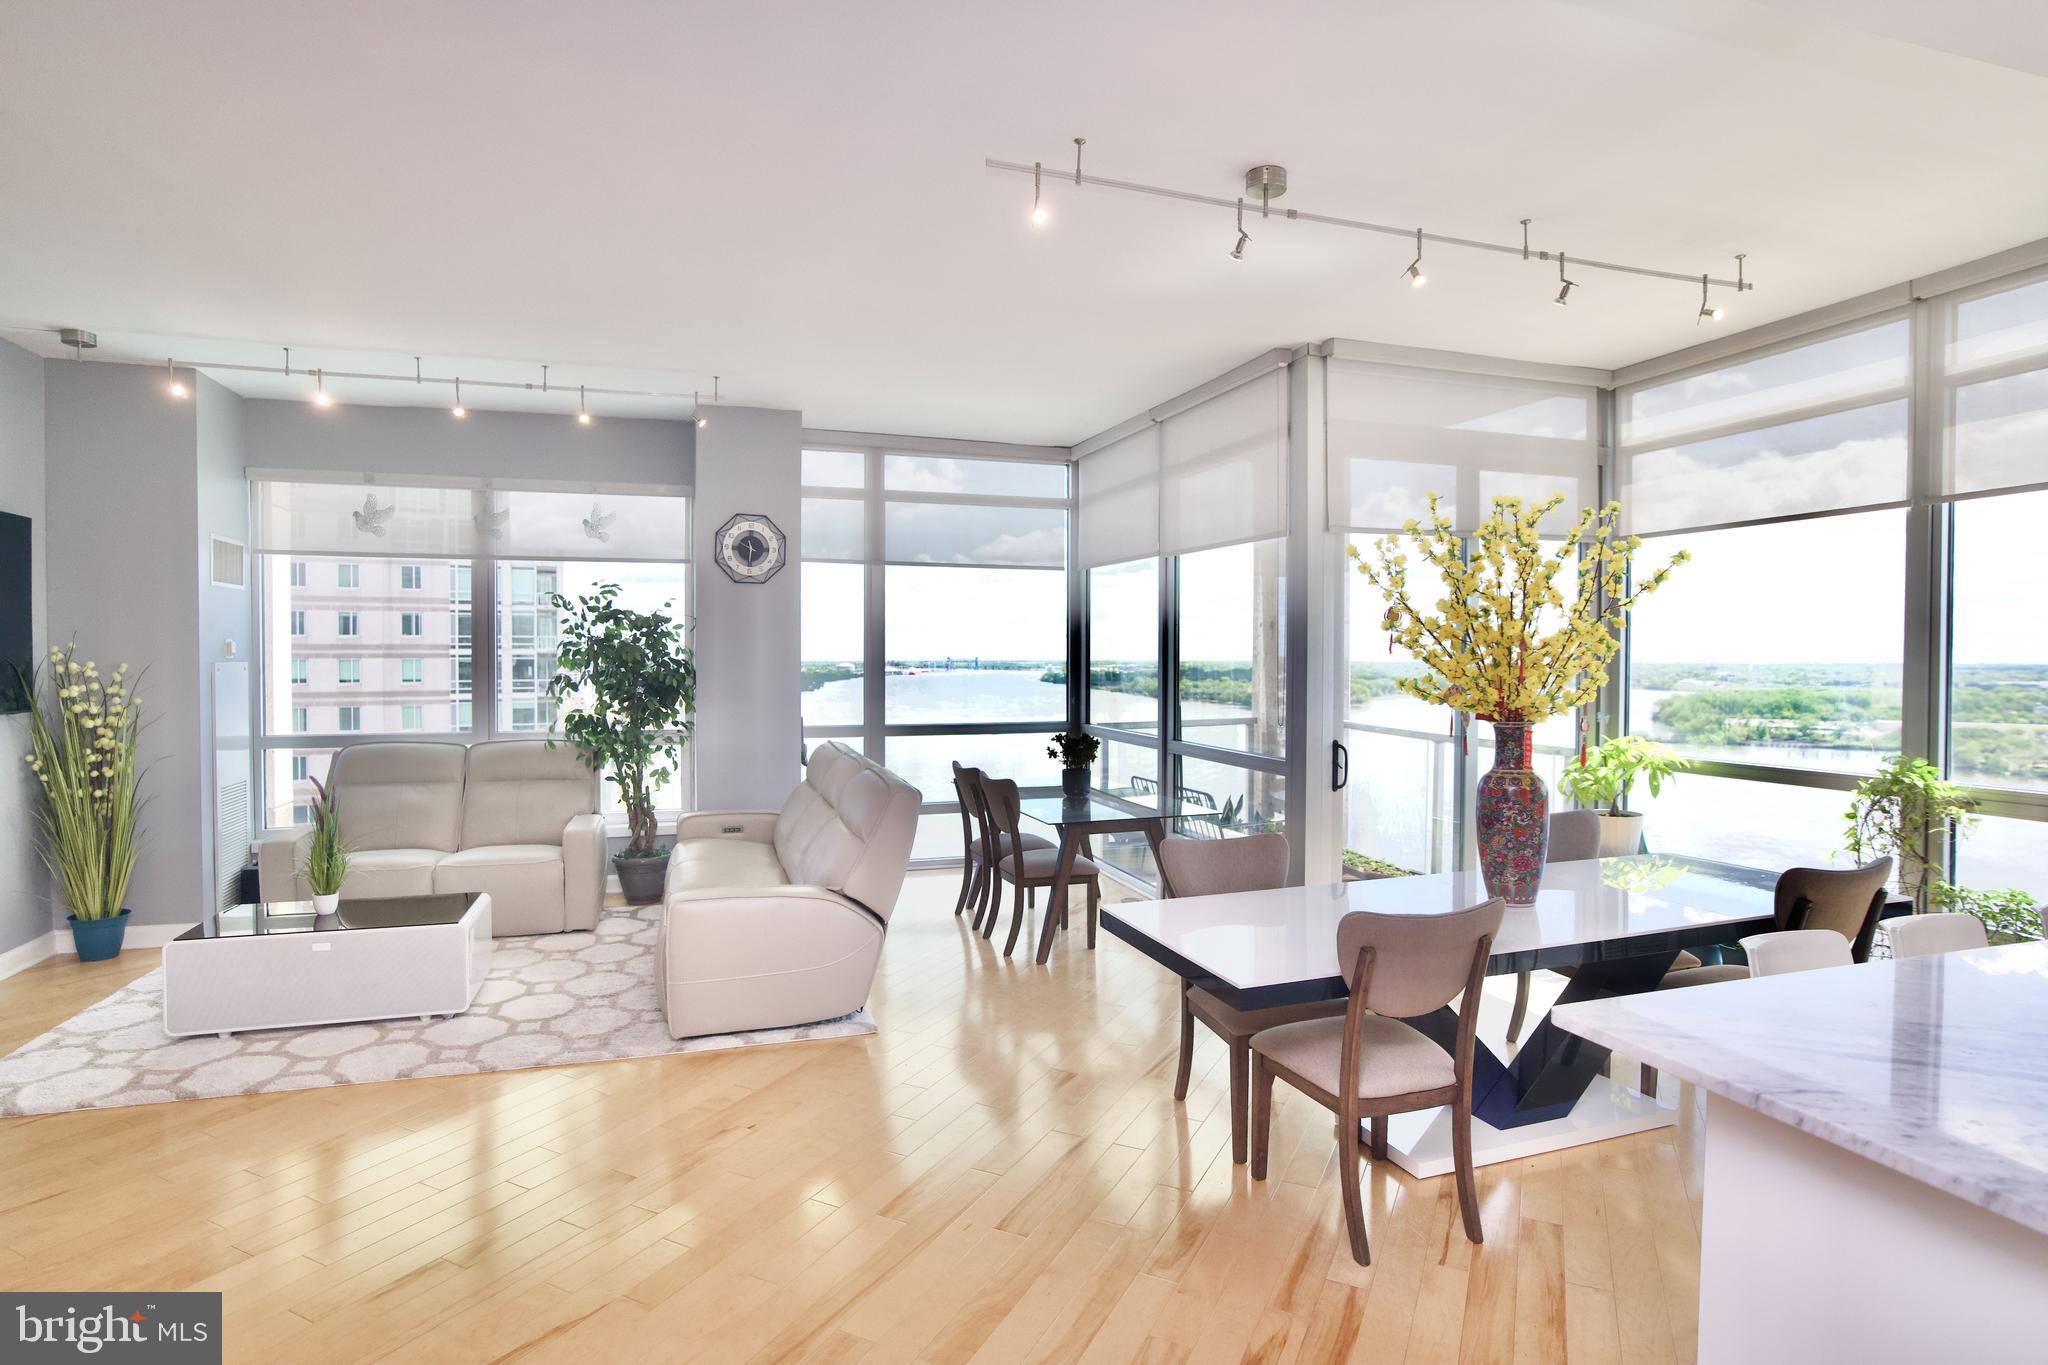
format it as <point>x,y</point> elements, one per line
<point>1340,765</point>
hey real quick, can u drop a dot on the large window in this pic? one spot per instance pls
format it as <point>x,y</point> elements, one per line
<point>934,600</point>
<point>404,655</point>
<point>1230,606</point>
<point>1123,645</point>
<point>1998,672</point>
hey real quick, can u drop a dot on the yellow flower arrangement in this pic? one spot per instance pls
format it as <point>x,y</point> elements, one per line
<point>1484,644</point>
<point>83,756</point>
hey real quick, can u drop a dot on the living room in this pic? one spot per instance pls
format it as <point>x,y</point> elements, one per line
<point>700,684</point>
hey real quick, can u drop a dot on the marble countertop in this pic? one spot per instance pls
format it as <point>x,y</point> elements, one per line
<point>1936,1067</point>
<point>1252,939</point>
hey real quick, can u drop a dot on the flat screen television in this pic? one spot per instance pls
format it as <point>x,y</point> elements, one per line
<point>17,626</point>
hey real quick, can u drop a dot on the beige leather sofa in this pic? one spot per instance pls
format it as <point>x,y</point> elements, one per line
<point>514,818</point>
<point>776,918</point>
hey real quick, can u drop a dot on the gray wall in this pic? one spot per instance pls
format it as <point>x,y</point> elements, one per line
<point>350,438</point>
<point>750,727</point>
<point>123,498</point>
<point>24,903</point>
<point>227,616</point>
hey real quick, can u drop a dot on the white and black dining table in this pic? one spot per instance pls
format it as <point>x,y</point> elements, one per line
<point>1618,923</point>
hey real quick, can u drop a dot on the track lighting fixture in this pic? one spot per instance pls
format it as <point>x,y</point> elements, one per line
<point>1266,183</point>
<point>176,387</point>
<point>1708,312</point>
<point>321,398</point>
<point>582,407</point>
<point>1564,294</point>
<point>1414,270</point>
<point>458,409</point>
<point>698,404</point>
<point>1038,213</point>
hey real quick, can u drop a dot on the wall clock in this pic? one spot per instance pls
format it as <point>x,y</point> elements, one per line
<point>750,548</point>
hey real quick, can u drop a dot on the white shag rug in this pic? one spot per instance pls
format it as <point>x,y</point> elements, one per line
<point>549,999</point>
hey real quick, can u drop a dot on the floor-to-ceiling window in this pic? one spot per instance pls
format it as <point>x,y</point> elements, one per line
<point>934,616</point>
<point>389,611</point>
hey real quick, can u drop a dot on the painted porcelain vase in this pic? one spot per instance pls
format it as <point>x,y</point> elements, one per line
<point>1513,818</point>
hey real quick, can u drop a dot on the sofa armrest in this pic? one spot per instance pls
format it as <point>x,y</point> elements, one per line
<point>583,864</point>
<point>280,855</point>
<point>755,826</point>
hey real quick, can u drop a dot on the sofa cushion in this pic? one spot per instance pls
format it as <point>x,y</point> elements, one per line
<point>519,791</point>
<point>524,882</point>
<point>708,864</point>
<point>381,873</point>
<point>399,794</point>
<point>847,827</point>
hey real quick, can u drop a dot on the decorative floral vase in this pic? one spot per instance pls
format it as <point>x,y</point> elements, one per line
<point>1513,818</point>
<point>326,905</point>
<point>1074,782</point>
<point>98,939</point>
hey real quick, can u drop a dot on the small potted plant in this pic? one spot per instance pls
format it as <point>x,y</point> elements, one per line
<point>82,751</point>
<point>326,854</point>
<point>1905,810</point>
<point>2008,916</point>
<point>630,687</point>
<point>1075,750</point>
<point>1603,776</point>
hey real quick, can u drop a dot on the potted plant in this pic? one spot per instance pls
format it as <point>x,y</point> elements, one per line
<point>1506,644</point>
<point>1904,810</point>
<point>1075,750</point>
<point>2008,916</point>
<point>326,855</point>
<point>630,690</point>
<point>82,751</point>
<point>1603,775</point>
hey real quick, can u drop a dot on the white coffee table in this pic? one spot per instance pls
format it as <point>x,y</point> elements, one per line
<point>282,966</point>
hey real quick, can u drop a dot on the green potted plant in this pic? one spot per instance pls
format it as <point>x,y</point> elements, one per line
<point>326,854</point>
<point>629,687</point>
<point>2008,916</point>
<point>1075,751</point>
<point>1905,810</point>
<point>1602,777</point>
<point>82,751</point>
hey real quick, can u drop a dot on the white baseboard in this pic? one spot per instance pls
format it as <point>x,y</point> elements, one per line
<point>57,943</point>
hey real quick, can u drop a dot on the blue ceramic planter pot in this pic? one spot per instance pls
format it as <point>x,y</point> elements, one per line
<point>98,939</point>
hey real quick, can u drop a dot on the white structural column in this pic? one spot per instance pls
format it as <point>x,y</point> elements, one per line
<point>745,635</point>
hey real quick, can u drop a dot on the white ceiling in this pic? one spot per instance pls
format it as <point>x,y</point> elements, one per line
<point>793,197</point>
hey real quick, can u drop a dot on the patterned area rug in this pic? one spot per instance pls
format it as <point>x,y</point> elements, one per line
<point>549,999</point>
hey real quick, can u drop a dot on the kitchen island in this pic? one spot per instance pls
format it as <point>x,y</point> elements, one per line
<point>1876,1154</point>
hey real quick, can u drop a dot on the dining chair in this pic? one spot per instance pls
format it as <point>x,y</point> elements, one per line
<point>1028,861</point>
<point>971,862</point>
<point>1795,950</point>
<point>1920,935</point>
<point>1846,900</point>
<point>991,844</point>
<point>1574,837</point>
<point>1214,867</point>
<point>1369,1063</point>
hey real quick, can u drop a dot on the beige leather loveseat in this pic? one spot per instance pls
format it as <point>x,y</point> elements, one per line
<point>776,918</point>
<point>513,818</point>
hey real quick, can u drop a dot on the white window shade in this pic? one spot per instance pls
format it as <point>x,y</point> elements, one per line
<point>832,530</point>
<point>367,519</point>
<point>1223,468</point>
<point>1997,379</point>
<point>1396,435</point>
<point>1120,500</point>
<point>973,533</point>
<point>529,524</point>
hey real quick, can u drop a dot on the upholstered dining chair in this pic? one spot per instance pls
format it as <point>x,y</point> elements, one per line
<point>1846,900</point>
<point>971,863</point>
<point>1197,866</point>
<point>1574,837</point>
<point>1028,861</point>
<point>1795,950</point>
<point>1920,935</point>
<point>987,843</point>
<point>1369,1063</point>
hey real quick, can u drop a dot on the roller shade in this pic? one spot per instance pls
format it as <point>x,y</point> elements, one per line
<point>380,518</point>
<point>968,533</point>
<point>1817,427</point>
<point>1398,434</point>
<point>1223,468</point>
<point>1996,369</point>
<point>1119,502</point>
<point>832,530</point>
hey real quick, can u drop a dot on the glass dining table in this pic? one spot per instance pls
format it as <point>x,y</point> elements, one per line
<point>1076,819</point>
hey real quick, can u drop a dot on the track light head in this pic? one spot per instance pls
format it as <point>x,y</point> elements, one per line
<point>1414,271</point>
<point>584,418</point>
<point>458,410</point>
<point>176,387</point>
<point>1243,240</point>
<point>321,398</point>
<point>1038,213</point>
<point>1709,312</point>
<point>1564,294</point>
<point>582,407</point>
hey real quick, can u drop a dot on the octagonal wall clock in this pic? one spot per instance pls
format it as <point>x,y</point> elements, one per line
<point>750,548</point>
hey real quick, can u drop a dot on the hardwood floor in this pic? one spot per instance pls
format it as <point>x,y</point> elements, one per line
<point>1001,1174</point>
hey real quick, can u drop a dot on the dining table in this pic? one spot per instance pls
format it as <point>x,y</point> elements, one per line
<point>1076,819</point>
<point>1617,924</point>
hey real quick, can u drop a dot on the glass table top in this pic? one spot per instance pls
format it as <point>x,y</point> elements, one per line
<point>1099,807</point>
<point>297,917</point>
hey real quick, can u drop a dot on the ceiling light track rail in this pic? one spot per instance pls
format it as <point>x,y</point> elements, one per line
<point>1741,284</point>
